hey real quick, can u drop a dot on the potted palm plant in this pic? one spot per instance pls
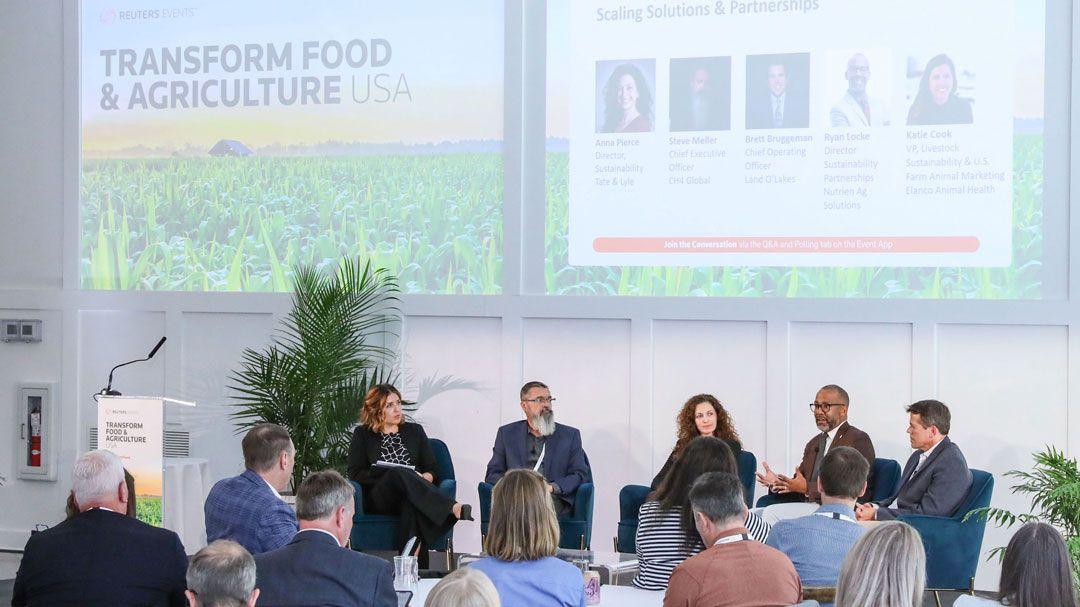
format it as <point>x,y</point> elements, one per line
<point>329,351</point>
<point>1054,487</point>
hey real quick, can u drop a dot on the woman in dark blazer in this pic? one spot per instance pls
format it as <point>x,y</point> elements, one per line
<point>393,462</point>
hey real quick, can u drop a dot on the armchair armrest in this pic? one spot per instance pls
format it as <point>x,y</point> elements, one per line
<point>358,499</point>
<point>583,501</point>
<point>448,487</point>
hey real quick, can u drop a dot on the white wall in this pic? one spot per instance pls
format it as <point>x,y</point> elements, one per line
<point>620,367</point>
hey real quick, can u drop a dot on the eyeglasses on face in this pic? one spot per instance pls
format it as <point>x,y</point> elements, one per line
<point>539,400</point>
<point>825,406</point>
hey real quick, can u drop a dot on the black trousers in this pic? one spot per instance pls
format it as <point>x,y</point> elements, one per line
<point>425,513</point>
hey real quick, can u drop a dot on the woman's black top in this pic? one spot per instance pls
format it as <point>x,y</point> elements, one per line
<point>367,447</point>
<point>736,449</point>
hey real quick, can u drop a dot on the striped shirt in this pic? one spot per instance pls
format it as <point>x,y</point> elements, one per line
<point>662,546</point>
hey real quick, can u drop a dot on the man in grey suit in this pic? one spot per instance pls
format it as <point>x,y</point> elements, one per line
<point>936,477</point>
<point>316,567</point>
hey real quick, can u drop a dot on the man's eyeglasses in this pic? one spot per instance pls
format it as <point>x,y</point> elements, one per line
<point>825,406</point>
<point>539,400</point>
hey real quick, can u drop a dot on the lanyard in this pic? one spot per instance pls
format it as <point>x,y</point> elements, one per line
<point>543,451</point>
<point>836,516</point>
<point>731,539</point>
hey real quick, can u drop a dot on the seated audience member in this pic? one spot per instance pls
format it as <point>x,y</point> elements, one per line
<point>248,509</point>
<point>666,535</point>
<point>798,495</point>
<point>817,543</point>
<point>385,438</point>
<point>936,477</point>
<point>71,508</point>
<point>101,556</point>
<point>885,568</point>
<point>734,570</point>
<point>317,567</point>
<point>522,538</point>
<point>701,415</point>
<point>465,587</point>
<point>222,575</point>
<point>524,444</point>
<point>1036,571</point>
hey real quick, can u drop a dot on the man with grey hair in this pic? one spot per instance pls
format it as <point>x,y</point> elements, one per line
<point>538,443</point>
<point>734,570</point>
<point>101,556</point>
<point>222,575</point>
<point>248,508</point>
<point>317,567</point>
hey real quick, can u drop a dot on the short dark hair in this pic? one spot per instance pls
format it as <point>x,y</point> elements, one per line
<point>263,444</point>
<point>222,574</point>
<point>1036,569</point>
<point>842,393</point>
<point>718,496</point>
<point>932,413</point>
<point>843,473</point>
<point>529,385</point>
<point>321,494</point>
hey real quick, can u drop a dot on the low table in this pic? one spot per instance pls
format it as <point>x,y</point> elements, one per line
<point>615,596</point>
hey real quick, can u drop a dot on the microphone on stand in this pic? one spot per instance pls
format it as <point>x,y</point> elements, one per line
<point>107,390</point>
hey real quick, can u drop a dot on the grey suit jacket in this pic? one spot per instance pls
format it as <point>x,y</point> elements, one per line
<point>313,570</point>
<point>936,490</point>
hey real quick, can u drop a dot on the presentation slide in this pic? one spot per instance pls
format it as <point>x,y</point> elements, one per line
<point>225,143</point>
<point>749,132</point>
<point>795,147</point>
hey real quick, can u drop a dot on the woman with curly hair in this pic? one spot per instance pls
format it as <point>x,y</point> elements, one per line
<point>701,415</point>
<point>627,101</point>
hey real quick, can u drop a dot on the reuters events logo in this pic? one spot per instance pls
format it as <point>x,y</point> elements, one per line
<point>111,16</point>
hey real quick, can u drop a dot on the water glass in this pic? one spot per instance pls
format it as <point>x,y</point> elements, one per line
<point>406,573</point>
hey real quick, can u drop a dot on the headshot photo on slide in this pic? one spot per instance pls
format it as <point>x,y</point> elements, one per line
<point>940,90</point>
<point>626,96</point>
<point>778,91</point>
<point>859,87</point>
<point>700,94</point>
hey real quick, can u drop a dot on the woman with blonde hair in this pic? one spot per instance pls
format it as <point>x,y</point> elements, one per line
<point>466,587</point>
<point>885,568</point>
<point>393,462</point>
<point>522,538</point>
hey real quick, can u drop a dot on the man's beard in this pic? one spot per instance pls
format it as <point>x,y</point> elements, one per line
<point>545,423</point>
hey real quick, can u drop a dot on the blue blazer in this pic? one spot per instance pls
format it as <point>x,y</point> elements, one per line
<point>937,490</point>
<point>245,510</point>
<point>565,463</point>
<point>102,558</point>
<point>313,570</point>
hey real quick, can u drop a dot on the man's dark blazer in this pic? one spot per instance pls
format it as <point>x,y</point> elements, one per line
<point>565,463</point>
<point>313,569</point>
<point>245,510</point>
<point>936,490</point>
<point>103,558</point>
<point>759,115</point>
<point>366,447</point>
<point>846,436</point>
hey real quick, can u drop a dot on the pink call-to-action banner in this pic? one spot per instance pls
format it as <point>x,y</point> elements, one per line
<point>788,244</point>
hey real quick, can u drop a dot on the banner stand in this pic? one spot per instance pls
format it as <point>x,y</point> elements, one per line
<point>133,427</point>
